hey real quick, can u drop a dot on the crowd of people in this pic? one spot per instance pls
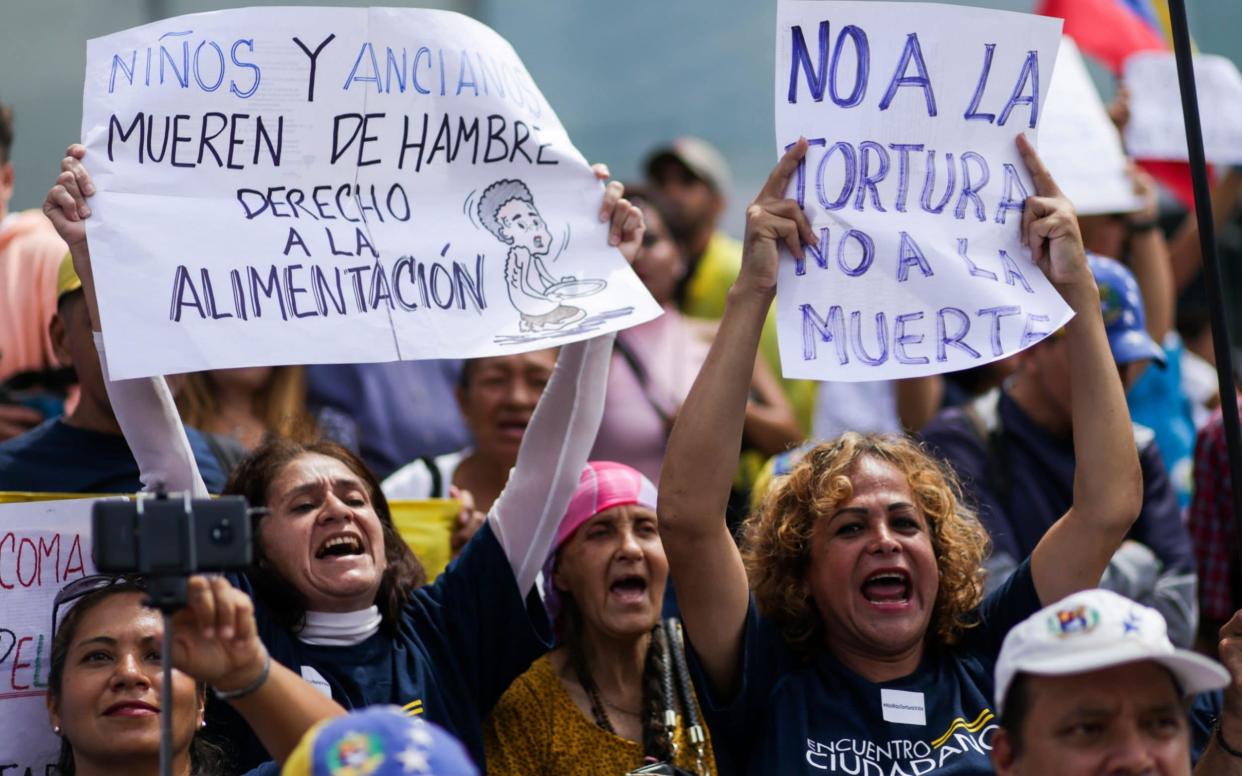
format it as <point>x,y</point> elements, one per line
<point>667,558</point>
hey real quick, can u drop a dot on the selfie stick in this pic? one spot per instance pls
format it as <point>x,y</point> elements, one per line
<point>1207,246</point>
<point>168,594</point>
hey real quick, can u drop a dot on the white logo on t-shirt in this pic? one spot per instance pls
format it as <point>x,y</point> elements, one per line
<point>316,680</point>
<point>903,708</point>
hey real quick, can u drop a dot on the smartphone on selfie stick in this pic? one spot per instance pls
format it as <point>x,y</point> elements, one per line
<point>166,538</point>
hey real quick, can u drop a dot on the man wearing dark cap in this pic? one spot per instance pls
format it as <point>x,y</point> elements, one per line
<point>1012,448</point>
<point>84,451</point>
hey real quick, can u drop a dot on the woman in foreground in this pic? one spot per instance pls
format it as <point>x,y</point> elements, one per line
<point>866,639</point>
<point>105,685</point>
<point>337,594</point>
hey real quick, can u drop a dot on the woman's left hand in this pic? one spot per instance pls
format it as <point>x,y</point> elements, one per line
<point>1050,227</point>
<point>626,225</point>
<point>215,639</point>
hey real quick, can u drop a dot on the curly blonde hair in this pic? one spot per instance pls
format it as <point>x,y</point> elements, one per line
<point>777,537</point>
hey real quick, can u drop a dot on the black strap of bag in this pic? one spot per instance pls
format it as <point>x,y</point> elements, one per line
<point>437,479</point>
<point>644,380</point>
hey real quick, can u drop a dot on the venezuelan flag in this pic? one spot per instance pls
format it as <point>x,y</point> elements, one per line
<point>1110,31</point>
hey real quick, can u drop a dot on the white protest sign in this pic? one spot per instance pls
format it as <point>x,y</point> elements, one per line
<point>913,184</point>
<point>1156,129</point>
<point>43,546</point>
<point>1079,142</point>
<point>318,185</point>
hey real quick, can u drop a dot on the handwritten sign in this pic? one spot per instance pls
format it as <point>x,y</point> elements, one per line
<point>295,185</point>
<point>43,546</point>
<point>913,184</point>
<point>1079,142</point>
<point>1156,129</point>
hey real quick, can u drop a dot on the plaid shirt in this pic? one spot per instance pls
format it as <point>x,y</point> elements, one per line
<point>1211,523</point>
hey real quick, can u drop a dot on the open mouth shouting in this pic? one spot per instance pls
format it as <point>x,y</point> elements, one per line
<point>341,545</point>
<point>512,426</point>
<point>888,589</point>
<point>629,589</point>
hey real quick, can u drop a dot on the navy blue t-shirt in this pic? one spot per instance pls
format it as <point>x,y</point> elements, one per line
<point>55,457</point>
<point>460,643</point>
<point>1039,469</point>
<point>794,715</point>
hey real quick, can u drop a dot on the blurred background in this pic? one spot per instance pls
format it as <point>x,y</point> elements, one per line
<point>622,76</point>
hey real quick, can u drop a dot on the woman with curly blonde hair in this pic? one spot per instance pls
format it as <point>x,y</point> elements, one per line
<point>851,634</point>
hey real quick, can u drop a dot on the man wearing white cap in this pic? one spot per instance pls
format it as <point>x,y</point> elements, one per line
<point>1092,686</point>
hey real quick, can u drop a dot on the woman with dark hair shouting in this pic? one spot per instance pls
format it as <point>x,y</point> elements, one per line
<point>337,593</point>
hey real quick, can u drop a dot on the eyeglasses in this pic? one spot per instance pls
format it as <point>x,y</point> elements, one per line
<point>80,588</point>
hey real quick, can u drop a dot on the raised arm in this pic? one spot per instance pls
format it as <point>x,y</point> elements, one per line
<point>1216,760</point>
<point>562,431</point>
<point>1108,483</point>
<point>706,440</point>
<point>144,407</point>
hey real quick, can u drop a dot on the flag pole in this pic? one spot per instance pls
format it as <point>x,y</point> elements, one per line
<point>1211,261</point>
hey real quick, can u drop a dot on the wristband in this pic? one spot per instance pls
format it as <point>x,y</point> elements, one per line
<point>1144,226</point>
<point>1220,739</point>
<point>250,689</point>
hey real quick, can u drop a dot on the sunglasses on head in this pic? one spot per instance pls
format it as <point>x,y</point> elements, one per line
<point>80,588</point>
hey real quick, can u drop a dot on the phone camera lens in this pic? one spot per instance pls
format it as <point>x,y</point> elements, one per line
<point>222,532</point>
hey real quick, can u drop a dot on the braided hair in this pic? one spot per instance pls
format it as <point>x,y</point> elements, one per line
<point>657,742</point>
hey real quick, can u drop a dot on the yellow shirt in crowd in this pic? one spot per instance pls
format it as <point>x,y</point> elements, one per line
<point>537,729</point>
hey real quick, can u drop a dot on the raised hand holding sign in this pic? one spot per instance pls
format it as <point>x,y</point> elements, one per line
<point>912,185</point>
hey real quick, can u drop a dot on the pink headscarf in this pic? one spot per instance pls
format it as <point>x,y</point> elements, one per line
<point>602,486</point>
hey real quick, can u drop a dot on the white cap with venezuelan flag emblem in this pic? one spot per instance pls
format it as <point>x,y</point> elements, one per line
<point>1093,630</point>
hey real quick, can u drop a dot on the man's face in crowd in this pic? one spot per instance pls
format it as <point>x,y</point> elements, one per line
<point>692,203</point>
<point>1047,367</point>
<point>1120,721</point>
<point>74,345</point>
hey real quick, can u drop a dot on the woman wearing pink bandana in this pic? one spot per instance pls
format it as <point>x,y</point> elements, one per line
<point>600,701</point>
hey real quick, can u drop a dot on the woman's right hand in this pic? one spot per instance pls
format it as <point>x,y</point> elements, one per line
<point>770,220</point>
<point>215,638</point>
<point>65,205</point>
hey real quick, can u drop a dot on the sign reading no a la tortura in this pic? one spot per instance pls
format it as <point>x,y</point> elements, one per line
<point>913,184</point>
<point>297,185</point>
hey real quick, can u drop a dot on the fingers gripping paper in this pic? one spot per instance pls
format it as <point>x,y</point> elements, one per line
<point>295,185</point>
<point>913,185</point>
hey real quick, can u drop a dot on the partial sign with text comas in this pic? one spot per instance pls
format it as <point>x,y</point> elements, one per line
<point>44,545</point>
<point>913,185</point>
<point>299,185</point>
